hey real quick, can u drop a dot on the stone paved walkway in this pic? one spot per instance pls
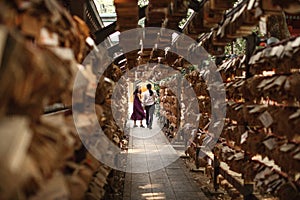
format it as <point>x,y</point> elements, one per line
<point>163,176</point>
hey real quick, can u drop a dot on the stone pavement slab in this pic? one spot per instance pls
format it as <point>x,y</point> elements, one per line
<point>163,174</point>
<point>167,183</point>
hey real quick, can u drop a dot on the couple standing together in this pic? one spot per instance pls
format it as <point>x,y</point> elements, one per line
<point>148,101</point>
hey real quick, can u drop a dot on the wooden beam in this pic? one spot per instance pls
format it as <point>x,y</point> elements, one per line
<point>105,32</point>
<point>110,29</point>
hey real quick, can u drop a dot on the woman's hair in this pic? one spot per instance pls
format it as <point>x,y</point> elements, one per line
<point>137,90</point>
<point>149,88</point>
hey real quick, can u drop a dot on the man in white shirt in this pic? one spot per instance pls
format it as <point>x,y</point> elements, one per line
<point>149,102</point>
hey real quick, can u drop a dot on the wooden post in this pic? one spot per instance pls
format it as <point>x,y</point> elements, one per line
<point>77,8</point>
<point>251,41</point>
<point>216,165</point>
<point>248,188</point>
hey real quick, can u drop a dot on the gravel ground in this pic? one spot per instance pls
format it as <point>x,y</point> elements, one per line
<point>205,183</point>
<point>115,187</point>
